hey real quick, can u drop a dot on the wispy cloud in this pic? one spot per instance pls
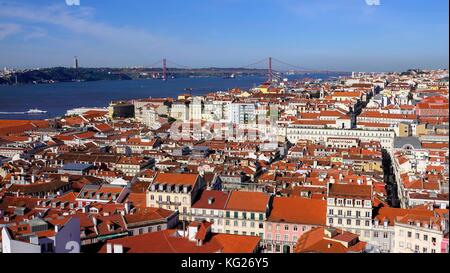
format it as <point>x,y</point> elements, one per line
<point>8,29</point>
<point>80,21</point>
<point>35,33</point>
<point>314,8</point>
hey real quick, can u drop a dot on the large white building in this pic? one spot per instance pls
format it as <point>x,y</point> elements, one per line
<point>295,133</point>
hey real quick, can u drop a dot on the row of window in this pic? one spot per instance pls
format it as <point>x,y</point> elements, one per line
<point>417,236</point>
<point>343,133</point>
<point>244,215</point>
<point>168,198</point>
<point>286,227</point>
<point>261,235</point>
<point>348,222</point>
<point>286,237</point>
<point>148,230</point>
<point>243,224</point>
<point>416,248</point>
<point>349,213</point>
<point>349,202</point>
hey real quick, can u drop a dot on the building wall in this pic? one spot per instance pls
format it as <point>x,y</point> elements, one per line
<point>282,237</point>
<point>67,240</point>
<point>348,215</point>
<point>416,239</point>
<point>386,138</point>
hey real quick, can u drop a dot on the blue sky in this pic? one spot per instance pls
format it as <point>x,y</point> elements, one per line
<point>318,34</point>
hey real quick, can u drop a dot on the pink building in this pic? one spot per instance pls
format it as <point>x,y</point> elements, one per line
<point>289,219</point>
<point>444,244</point>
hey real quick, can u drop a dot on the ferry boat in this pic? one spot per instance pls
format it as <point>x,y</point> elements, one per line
<point>35,111</point>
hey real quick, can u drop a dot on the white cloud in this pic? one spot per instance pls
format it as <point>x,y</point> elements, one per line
<point>8,29</point>
<point>80,21</point>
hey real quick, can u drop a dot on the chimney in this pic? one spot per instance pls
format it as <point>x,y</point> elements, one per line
<point>329,245</point>
<point>210,200</point>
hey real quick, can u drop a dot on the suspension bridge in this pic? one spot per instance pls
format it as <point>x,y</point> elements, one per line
<point>272,66</point>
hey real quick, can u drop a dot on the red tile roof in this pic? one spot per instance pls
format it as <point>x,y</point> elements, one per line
<point>248,201</point>
<point>298,210</point>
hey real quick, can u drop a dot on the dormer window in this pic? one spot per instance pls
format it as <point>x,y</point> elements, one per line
<point>348,202</point>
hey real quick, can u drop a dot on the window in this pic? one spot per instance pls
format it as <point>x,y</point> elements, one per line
<point>409,234</point>
<point>278,237</point>
<point>261,216</point>
<point>425,237</point>
<point>367,223</point>
<point>286,227</point>
<point>244,215</point>
<point>236,215</point>
<point>425,250</point>
<point>295,228</point>
<point>277,248</point>
<point>252,216</point>
<point>358,222</point>
<point>227,222</point>
<point>339,221</point>
<point>286,237</point>
<point>375,234</point>
<point>269,236</point>
<point>330,211</point>
<point>417,235</point>
<point>416,248</point>
<point>227,214</point>
<point>295,238</point>
<point>349,222</point>
<point>168,198</point>
<point>158,228</point>
<point>358,214</point>
<point>203,212</point>
<point>141,231</point>
<point>330,220</point>
<point>385,235</point>
<point>252,224</point>
<point>235,223</point>
<point>402,232</point>
<point>160,198</point>
<point>244,224</point>
<point>340,212</point>
<point>348,202</point>
<point>152,197</point>
<point>367,214</point>
<point>261,225</point>
<point>349,213</point>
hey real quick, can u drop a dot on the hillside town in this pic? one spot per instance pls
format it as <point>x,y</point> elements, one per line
<point>356,164</point>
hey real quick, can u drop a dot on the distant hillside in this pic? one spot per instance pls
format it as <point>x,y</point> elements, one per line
<point>63,74</point>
